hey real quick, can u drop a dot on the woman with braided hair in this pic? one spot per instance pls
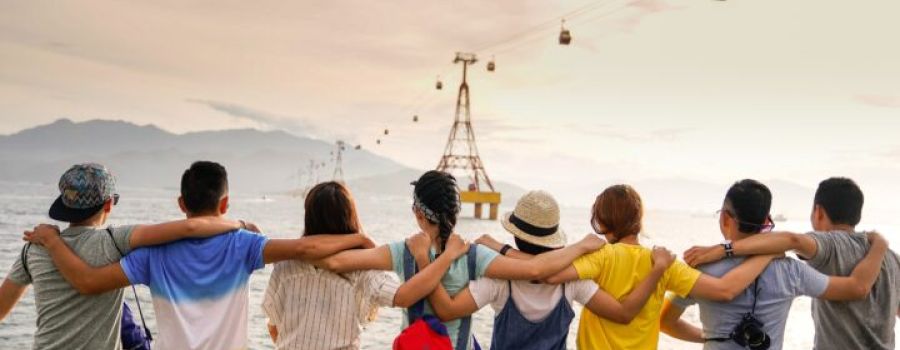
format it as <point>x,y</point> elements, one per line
<point>436,206</point>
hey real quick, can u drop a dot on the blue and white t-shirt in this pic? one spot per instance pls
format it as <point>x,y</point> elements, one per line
<point>199,288</point>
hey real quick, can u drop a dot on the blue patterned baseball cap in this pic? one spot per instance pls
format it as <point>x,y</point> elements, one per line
<point>84,188</point>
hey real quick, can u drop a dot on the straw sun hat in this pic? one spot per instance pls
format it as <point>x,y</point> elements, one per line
<point>536,220</point>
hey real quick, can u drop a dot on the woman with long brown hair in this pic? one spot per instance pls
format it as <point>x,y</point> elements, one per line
<point>310,308</point>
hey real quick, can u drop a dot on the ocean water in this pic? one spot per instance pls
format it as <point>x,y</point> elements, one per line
<point>386,218</point>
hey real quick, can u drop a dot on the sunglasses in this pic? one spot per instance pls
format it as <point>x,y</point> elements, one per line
<point>766,226</point>
<point>115,199</point>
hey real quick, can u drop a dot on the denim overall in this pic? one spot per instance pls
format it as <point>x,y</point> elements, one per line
<point>514,332</point>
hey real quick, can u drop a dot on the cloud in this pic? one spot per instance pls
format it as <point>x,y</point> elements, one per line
<point>885,101</point>
<point>263,118</point>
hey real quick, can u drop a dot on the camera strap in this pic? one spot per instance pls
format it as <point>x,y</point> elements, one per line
<point>752,312</point>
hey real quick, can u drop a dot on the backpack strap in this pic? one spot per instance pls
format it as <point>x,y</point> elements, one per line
<point>133,289</point>
<point>465,325</point>
<point>410,268</point>
<point>25,260</point>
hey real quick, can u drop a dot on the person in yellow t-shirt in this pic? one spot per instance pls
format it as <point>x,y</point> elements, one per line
<point>619,267</point>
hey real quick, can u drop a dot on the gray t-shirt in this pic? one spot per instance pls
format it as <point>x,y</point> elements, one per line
<point>778,285</point>
<point>66,319</point>
<point>864,324</point>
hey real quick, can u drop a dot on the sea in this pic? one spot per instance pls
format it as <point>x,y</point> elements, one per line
<point>386,218</point>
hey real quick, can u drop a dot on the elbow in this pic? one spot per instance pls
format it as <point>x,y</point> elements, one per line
<point>334,265</point>
<point>621,319</point>
<point>725,295</point>
<point>535,273</point>
<point>87,288</point>
<point>402,302</point>
<point>860,292</point>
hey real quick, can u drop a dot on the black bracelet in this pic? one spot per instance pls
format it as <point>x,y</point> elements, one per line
<point>506,248</point>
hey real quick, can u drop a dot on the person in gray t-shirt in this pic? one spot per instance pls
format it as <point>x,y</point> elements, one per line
<point>835,248</point>
<point>65,318</point>
<point>745,213</point>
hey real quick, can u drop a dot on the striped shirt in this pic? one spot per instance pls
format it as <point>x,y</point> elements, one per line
<point>316,309</point>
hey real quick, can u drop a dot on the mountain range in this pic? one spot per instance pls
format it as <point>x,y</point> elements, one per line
<point>258,162</point>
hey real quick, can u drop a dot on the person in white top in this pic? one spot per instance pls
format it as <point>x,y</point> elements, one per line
<point>311,308</point>
<point>538,315</point>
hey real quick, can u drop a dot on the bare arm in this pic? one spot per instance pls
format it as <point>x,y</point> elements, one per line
<point>449,308</point>
<point>429,277</point>
<point>672,324</point>
<point>543,265</point>
<point>769,243</point>
<point>311,247</point>
<point>733,283</point>
<point>604,305</point>
<point>495,245</point>
<point>858,285</point>
<point>358,259</point>
<point>567,275</point>
<point>206,226</point>
<point>10,293</point>
<point>85,278</point>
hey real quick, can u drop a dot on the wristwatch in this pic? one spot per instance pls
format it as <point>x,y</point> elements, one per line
<point>729,249</point>
<point>506,248</point>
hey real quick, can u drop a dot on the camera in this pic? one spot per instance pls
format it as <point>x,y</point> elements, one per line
<point>749,333</point>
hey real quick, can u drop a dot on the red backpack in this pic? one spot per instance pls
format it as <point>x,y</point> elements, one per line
<point>426,332</point>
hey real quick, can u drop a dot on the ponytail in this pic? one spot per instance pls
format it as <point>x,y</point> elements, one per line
<point>437,197</point>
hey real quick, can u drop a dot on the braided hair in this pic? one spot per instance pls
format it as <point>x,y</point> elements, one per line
<point>437,198</point>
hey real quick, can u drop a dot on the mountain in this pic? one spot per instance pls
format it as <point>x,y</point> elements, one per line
<point>146,156</point>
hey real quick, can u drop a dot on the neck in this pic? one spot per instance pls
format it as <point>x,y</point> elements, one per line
<point>841,227</point>
<point>92,222</point>
<point>207,214</point>
<point>433,234</point>
<point>632,239</point>
<point>738,235</point>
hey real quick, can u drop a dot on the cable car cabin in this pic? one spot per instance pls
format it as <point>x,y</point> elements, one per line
<point>565,37</point>
<point>439,85</point>
<point>387,132</point>
<point>415,119</point>
<point>358,147</point>
<point>491,66</point>
<point>378,141</point>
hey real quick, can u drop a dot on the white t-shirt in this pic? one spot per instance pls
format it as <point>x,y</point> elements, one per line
<point>534,300</point>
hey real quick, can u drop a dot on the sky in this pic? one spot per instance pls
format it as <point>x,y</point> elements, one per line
<point>710,91</point>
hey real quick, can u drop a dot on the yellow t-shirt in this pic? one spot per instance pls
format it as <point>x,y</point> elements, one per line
<point>618,268</point>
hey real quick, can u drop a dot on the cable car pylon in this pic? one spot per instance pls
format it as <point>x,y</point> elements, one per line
<point>461,152</point>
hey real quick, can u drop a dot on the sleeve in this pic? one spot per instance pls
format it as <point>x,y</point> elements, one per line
<point>272,301</point>
<point>486,290</point>
<point>136,266</point>
<point>483,258</point>
<point>680,278</point>
<point>254,244</point>
<point>122,237</point>
<point>17,272</point>
<point>582,291</point>
<point>381,286</point>
<point>682,302</point>
<point>825,247</point>
<point>805,280</point>
<point>396,249</point>
<point>591,265</point>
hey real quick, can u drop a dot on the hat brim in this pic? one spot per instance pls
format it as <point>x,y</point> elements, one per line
<point>554,240</point>
<point>60,212</point>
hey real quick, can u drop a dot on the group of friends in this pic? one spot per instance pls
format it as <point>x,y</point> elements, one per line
<point>329,283</point>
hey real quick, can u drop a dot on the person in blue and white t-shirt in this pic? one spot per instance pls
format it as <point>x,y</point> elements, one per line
<point>199,286</point>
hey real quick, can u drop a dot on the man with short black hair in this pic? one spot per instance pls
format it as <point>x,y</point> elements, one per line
<point>66,319</point>
<point>833,249</point>
<point>745,214</point>
<point>199,286</point>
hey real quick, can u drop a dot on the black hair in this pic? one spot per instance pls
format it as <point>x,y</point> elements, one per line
<point>750,202</point>
<point>530,248</point>
<point>438,192</point>
<point>203,185</point>
<point>841,199</point>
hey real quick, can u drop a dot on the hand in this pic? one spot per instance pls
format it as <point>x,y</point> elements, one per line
<point>419,245</point>
<point>876,239</point>
<point>592,242</point>
<point>489,241</point>
<point>368,242</point>
<point>697,255</point>
<point>249,226</point>
<point>456,247</point>
<point>42,234</point>
<point>662,257</point>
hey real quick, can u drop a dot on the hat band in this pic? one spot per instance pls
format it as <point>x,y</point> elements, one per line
<point>531,229</point>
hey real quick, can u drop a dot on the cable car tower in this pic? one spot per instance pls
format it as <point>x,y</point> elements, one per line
<point>461,153</point>
<point>338,175</point>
